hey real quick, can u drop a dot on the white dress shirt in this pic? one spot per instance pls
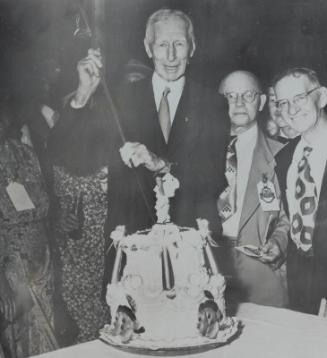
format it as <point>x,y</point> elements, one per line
<point>176,90</point>
<point>317,161</point>
<point>245,144</point>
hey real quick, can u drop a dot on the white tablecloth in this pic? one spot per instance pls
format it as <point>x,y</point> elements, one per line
<point>268,333</point>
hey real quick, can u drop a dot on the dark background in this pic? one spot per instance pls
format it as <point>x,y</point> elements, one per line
<point>263,36</point>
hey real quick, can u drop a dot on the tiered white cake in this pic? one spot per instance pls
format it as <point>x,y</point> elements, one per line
<point>169,292</point>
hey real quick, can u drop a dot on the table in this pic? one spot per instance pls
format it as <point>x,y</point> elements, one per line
<point>268,332</point>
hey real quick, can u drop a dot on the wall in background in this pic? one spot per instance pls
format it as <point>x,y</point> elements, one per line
<point>263,36</point>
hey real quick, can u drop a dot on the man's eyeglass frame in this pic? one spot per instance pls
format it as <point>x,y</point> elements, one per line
<point>244,99</point>
<point>299,100</point>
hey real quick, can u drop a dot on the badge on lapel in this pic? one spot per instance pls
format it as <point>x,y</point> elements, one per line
<point>267,195</point>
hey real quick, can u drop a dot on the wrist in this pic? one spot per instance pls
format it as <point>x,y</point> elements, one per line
<point>274,241</point>
<point>80,99</point>
<point>163,167</point>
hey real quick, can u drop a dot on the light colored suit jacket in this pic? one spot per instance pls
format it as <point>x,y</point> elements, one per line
<point>258,282</point>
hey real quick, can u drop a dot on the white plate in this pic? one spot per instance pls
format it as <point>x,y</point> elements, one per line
<point>229,331</point>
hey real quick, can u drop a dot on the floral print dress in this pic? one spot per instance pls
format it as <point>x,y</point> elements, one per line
<point>82,251</point>
<point>24,253</point>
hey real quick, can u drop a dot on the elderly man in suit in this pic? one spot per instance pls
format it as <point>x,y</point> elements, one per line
<point>168,118</point>
<point>168,121</point>
<point>249,206</point>
<point>301,169</point>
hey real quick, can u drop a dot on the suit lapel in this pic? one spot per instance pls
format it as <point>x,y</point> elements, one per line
<point>319,237</point>
<point>186,128</point>
<point>147,113</point>
<point>323,196</point>
<point>262,163</point>
<point>284,160</point>
<point>187,125</point>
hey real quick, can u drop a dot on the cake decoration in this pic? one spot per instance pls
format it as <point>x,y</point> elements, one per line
<point>168,293</point>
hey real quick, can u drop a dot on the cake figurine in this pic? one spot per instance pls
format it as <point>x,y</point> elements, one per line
<point>165,189</point>
<point>167,293</point>
<point>209,317</point>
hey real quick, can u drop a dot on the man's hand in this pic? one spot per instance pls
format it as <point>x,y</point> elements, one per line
<point>271,254</point>
<point>89,77</point>
<point>136,154</point>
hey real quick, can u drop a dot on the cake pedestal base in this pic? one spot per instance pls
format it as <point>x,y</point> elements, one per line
<point>227,334</point>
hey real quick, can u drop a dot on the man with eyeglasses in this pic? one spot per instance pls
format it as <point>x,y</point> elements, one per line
<point>301,169</point>
<point>249,206</point>
<point>276,126</point>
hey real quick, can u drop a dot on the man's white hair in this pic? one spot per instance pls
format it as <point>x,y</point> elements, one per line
<point>298,72</point>
<point>165,14</point>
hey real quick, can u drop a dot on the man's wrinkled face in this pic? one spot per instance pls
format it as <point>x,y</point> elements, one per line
<point>302,115</point>
<point>244,99</point>
<point>171,48</point>
<point>276,116</point>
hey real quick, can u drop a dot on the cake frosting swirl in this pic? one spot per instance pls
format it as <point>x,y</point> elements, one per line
<point>167,289</point>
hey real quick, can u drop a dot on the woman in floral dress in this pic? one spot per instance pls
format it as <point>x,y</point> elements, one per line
<point>82,250</point>
<point>26,281</point>
<point>79,149</point>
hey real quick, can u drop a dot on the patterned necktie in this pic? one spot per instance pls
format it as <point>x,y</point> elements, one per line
<point>305,205</point>
<point>164,114</point>
<point>227,200</point>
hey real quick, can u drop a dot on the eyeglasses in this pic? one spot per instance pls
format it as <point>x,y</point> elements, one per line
<point>300,100</point>
<point>247,97</point>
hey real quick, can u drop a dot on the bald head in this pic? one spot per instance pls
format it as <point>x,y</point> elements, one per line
<point>238,79</point>
<point>243,92</point>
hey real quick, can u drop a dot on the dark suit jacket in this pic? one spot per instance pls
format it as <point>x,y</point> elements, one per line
<point>86,139</point>
<point>284,159</point>
<point>196,147</point>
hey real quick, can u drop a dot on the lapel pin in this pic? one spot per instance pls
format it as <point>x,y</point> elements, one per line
<point>187,119</point>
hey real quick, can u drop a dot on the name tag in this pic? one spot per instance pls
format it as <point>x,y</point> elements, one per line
<point>267,196</point>
<point>19,197</point>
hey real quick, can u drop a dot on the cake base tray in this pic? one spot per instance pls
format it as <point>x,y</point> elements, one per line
<point>198,345</point>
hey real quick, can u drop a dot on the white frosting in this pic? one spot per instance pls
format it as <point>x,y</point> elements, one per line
<point>166,315</point>
<point>165,189</point>
<point>167,308</point>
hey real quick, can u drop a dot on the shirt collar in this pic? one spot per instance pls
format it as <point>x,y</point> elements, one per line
<point>159,84</point>
<point>320,143</point>
<point>249,135</point>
